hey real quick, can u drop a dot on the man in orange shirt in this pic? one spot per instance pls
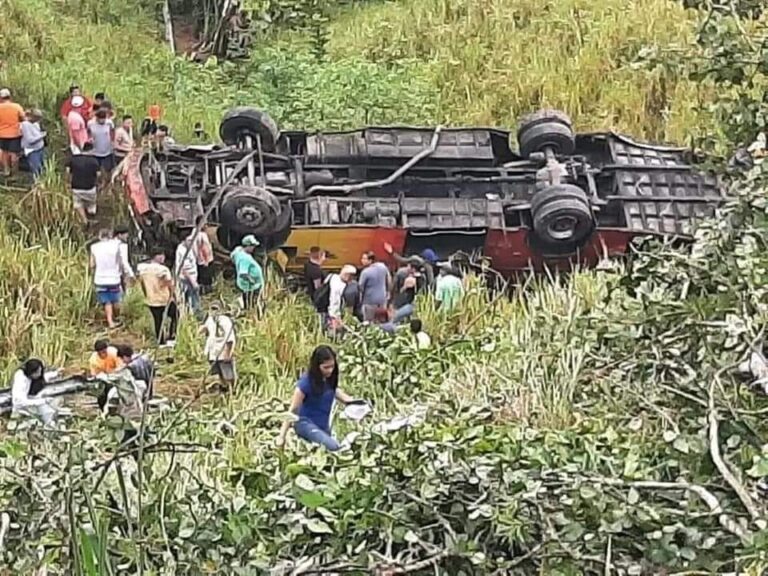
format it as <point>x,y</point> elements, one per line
<point>11,117</point>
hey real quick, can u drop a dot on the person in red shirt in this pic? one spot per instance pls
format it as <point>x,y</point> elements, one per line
<point>84,109</point>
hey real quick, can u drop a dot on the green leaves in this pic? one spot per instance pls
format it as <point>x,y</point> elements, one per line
<point>317,526</point>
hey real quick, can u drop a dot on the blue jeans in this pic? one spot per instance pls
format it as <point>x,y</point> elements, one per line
<point>402,313</point>
<point>311,432</point>
<point>36,160</point>
<point>191,297</point>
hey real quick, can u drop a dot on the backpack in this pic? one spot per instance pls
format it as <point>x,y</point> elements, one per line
<point>322,297</point>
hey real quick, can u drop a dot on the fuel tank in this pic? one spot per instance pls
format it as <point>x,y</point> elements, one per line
<point>466,146</point>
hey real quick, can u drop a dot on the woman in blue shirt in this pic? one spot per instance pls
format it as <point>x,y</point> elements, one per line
<point>313,399</point>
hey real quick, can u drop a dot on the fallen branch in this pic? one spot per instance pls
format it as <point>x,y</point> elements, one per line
<point>527,556</point>
<point>714,451</point>
<point>5,523</point>
<point>415,567</point>
<point>728,523</point>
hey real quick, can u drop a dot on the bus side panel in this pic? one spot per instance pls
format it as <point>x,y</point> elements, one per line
<point>343,245</point>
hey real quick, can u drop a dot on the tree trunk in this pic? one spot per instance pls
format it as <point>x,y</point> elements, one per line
<point>168,26</point>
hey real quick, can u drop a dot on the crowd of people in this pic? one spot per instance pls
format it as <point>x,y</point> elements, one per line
<point>370,292</point>
<point>376,295</point>
<point>97,142</point>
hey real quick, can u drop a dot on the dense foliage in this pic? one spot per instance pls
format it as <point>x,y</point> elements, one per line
<point>730,54</point>
<point>583,423</point>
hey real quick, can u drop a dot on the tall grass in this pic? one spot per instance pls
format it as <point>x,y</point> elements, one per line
<point>414,61</point>
<point>45,297</point>
<point>494,60</point>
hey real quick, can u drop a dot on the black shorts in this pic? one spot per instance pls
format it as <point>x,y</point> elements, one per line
<point>223,368</point>
<point>12,145</point>
<point>106,163</point>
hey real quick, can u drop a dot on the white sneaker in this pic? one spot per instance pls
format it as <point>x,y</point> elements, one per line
<point>169,344</point>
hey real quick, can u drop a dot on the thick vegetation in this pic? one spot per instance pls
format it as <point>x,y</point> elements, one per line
<point>589,424</point>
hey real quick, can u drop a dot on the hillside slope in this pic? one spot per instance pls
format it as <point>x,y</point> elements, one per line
<point>410,61</point>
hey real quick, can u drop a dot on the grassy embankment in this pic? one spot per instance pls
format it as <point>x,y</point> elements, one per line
<point>558,389</point>
<point>412,62</point>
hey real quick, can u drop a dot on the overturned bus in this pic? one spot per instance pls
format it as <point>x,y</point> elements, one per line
<point>562,198</point>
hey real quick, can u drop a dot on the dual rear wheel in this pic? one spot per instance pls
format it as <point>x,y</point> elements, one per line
<point>561,213</point>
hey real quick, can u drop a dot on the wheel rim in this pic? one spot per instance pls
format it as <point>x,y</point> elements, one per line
<point>250,216</point>
<point>563,228</point>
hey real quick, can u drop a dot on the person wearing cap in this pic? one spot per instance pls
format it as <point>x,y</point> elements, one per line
<point>219,330</point>
<point>76,125</point>
<point>250,278</point>
<point>425,262</point>
<point>33,142</point>
<point>11,117</point>
<point>186,272</point>
<point>84,109</point>
<point>448,289</point>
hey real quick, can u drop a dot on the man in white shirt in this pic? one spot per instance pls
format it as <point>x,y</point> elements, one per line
<point>124,139</point>
<point>107,265</point>
<point>121,234</point>
<point>219,347</point>
<point>186,272</point>
<point>338,283</point>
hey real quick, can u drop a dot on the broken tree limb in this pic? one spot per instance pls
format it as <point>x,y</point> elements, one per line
<point>168,26</point>
<point>709,499</point>
<point>5,522</point>
<point>714,451</point>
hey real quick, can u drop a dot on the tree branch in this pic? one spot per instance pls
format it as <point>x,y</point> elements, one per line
<point>714,451</point>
